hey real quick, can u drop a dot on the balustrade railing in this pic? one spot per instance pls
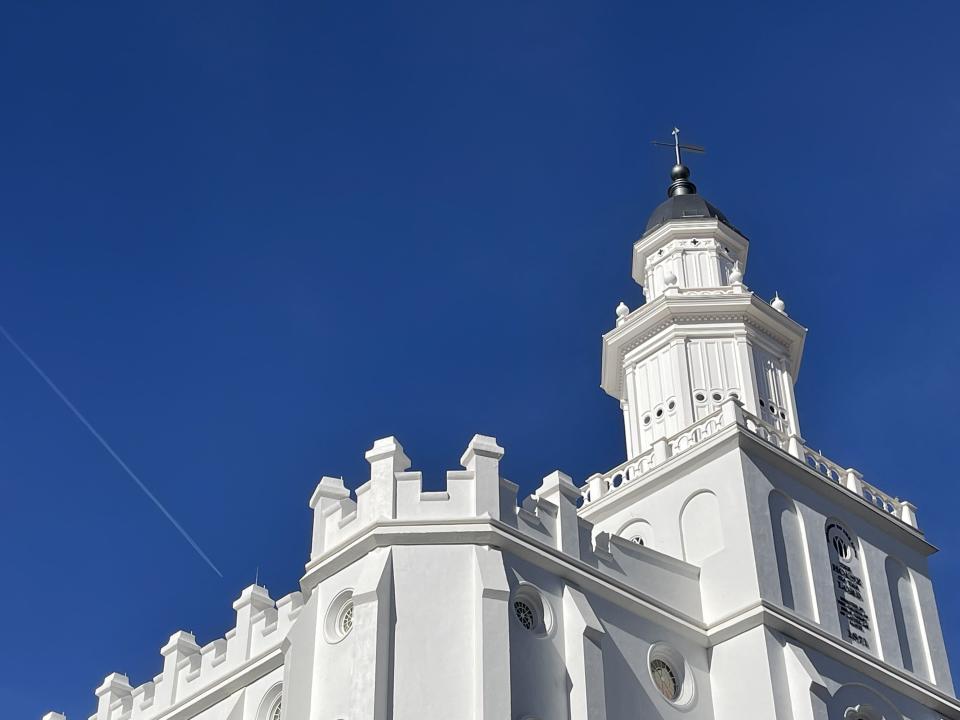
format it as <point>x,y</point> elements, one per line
<point>765,430</point>
<point>602,483</point>
<point>732,412</point>
<point>699,431</point>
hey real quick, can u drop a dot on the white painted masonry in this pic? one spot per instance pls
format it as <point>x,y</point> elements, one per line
<point>725,571</point>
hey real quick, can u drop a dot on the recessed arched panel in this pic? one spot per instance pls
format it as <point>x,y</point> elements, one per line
<point>789,545</point>
<point>700,527</point>
<point>906,615</point>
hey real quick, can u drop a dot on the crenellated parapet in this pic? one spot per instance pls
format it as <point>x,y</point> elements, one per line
<point>477,504</point>
<point>189,668</point>
<point>395,493</point>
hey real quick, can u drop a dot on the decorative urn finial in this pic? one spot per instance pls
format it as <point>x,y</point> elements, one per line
<point>778,304</point>
<point>736,274</point>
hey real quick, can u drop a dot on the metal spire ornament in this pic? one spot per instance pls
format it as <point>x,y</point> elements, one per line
<point>680,173</point>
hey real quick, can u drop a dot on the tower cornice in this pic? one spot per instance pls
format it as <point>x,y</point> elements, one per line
<point>654,242</point>
<point>722,311</point>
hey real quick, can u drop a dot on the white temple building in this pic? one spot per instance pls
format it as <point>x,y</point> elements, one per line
<point>725,571</point>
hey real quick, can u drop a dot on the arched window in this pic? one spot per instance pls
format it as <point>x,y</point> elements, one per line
<point>906,615</point>
<point>789,544</point>
<point>275,711</point>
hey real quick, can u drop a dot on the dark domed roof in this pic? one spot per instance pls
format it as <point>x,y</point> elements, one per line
<point>683,203</point>
<point>683,207</point>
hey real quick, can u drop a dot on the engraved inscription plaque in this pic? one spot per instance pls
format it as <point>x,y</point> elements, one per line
<point>848,585</point>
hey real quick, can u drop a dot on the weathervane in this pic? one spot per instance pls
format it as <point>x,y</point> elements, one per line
<point>677,146</point>
<point>680,174</point>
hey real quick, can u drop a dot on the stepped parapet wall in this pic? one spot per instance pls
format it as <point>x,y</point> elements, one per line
<point>189,669</point>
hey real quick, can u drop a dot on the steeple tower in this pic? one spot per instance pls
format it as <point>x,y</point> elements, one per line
<point>701,336</point>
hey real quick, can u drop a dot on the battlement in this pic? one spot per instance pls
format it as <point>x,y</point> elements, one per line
<point>189,668</point>
<point>393,496</point>
<point>395,493</point>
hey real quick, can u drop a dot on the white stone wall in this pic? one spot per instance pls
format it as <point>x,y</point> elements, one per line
<point>432,579</point>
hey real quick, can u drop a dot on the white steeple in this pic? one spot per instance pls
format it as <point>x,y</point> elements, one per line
<point>701,336</point>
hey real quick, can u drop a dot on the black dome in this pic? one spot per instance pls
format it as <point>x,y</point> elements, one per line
<point>683,207</point>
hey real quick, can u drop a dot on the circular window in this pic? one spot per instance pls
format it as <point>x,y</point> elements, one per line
<point>638,531</point>
<point>339,620</point>
<point>525,614</point>
<point>700,397</point>
<point>762,404</point>
<point>671,405</point>
<point>735,396</point>
<point>659,412</point>
<point>670,674</point>
<point>275,712</point>
<point>345,619</point>
<point>717,397</point>
<point>646,420</point>
<point>530,611</point>
<point>665,679</point>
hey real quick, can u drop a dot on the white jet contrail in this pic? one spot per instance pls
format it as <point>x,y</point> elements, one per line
<point>106,446</point>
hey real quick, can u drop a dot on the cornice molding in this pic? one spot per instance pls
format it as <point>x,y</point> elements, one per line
<point>726,310</point>
<point>497,534</point>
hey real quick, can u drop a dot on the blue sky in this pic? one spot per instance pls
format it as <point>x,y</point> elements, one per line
<point>248,238</point>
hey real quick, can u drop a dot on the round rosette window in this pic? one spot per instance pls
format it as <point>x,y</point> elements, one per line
<point>339,619</point>
<point>530,610</point>
<point>670,674</point>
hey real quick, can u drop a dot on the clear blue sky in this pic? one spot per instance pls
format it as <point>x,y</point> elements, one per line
<point>248,238</point>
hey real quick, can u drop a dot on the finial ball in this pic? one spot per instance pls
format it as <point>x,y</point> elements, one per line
<point>680,172</point>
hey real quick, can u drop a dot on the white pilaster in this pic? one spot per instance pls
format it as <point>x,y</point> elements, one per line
<point>113,697</point>
<point>252,601</point>
<point>182,645</point>
<point>492,636</point>
<point>583,648</point>
<point>386,458</point>
<point>373,630</point>
<point>482,458</point>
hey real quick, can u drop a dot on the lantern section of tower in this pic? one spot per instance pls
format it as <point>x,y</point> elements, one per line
<point>701,336</point>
